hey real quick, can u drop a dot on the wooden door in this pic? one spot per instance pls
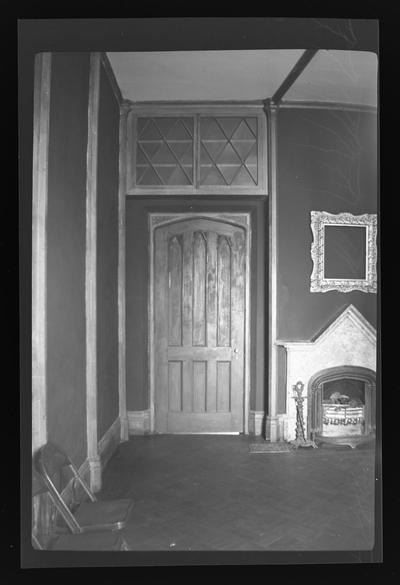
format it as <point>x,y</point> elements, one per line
<point>199,310</point>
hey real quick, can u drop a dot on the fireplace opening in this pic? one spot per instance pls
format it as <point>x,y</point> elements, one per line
<point>341,405</point>
<point>343,408</point>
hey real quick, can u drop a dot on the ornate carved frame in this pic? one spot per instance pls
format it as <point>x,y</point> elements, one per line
<point>319,219</point>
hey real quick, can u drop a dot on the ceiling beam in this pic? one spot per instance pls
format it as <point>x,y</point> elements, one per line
<point>293,75</point>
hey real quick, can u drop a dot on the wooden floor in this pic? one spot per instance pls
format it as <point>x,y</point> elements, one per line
<point>202,492</point>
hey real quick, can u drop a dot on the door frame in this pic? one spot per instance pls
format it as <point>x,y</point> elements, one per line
<point>242,220</point>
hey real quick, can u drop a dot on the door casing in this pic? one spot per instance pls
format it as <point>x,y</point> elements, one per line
<point>242,220</point>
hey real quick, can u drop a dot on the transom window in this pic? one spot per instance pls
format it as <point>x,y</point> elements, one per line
<point>197,153</point>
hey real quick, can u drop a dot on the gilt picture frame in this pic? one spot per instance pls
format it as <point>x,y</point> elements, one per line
<point>320,220</point>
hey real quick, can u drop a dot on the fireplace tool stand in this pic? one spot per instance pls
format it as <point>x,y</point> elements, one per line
<point>301,440</point>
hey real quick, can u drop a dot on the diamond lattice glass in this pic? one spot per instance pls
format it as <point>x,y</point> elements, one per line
<point>164,151</point>
<point>228,151</point>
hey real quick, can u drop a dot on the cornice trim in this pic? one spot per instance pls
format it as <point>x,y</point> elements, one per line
<point>319,105</point>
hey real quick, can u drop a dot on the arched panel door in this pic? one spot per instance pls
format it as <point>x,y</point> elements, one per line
<point>199,311</point>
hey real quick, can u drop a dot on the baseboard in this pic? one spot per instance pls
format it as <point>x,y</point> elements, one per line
<point>256,422</point>
<point>283,427</point>
<point>276,428</point>
<point>138,422</point>
<point>109,442</point>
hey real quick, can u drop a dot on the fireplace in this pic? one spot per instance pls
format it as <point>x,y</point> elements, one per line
<point>340,359</point>
<point>341,405</point>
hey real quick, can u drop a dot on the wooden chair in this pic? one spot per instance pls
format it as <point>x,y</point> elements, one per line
<point>91,515</point>
<point>88,541</point>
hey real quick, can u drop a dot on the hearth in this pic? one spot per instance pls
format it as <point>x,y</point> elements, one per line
<point>342,405</point>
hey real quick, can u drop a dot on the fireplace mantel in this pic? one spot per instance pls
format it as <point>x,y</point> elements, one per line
<point>349,341</point>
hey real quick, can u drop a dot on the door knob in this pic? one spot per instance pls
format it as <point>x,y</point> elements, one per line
<point>236,353</point>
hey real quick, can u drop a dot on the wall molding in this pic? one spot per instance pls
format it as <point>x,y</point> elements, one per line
<point>139,422</point>
<point>170,107</point>
<point>121,276</point>
<point>39,246</point>
<point>91,273</point>
<point>328,106</point>
<point>201,107</point>
<point>271,111</point>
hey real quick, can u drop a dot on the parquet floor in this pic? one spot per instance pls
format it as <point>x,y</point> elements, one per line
<point>202,492</point>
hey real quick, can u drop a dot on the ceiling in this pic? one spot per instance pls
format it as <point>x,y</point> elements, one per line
<point>338,76</point>
<point>331,76</point>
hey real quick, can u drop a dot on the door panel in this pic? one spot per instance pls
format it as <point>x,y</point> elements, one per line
<point>174,386</point>
<point>199,386</point>
<point>199,300</point>
<point>224,292</point>
<point>175,297</point>
<point>199,289</point>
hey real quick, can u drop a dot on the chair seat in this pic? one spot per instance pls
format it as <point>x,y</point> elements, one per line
<point>103,514</point>
<point>89,541</point>
<point>92,515</point>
